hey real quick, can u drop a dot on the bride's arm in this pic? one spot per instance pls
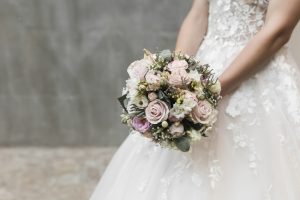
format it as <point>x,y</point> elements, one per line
<point>282,17</point>
<point>193,28</point>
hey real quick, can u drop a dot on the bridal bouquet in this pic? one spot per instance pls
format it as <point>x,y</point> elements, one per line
<point>171,98</point>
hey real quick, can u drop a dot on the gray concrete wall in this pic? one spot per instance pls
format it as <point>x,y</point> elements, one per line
<point>63,62</point>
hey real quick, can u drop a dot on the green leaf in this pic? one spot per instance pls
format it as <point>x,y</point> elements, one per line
<point>163,96</point>
<point>183,143</point>
<point>122,101</point>
<point>166,54</point>
<point>188,124</point>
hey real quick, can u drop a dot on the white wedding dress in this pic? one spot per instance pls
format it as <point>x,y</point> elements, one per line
<point>253,152</point>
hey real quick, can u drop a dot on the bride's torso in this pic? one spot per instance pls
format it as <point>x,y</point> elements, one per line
<point>232,23</point>
<point>235,21</point>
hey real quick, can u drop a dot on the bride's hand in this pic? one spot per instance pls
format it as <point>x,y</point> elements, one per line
<point>223,88</point>
<point>226,86</point>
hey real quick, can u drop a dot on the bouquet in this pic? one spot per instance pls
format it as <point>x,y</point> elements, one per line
<point>171,98</point>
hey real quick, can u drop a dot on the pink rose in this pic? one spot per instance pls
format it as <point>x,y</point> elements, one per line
<point>153,79</point>
<point>190,96</point>
<point>140,124</point>
<point>203,113</point>
<point>138,69</point>
<point>177,130</point>
<point>157,111</point>
<point>152,96</point>
<point>177,65</point>
<point>178,78</point>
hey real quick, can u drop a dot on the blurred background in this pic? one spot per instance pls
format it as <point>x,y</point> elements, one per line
<point>62,66</point>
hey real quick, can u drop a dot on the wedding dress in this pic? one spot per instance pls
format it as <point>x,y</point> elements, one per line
<point>253,152</point>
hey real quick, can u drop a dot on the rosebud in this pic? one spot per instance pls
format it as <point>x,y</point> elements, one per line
<point>164,124</point>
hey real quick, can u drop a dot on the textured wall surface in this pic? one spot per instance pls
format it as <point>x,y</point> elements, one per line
<point>63,62</point>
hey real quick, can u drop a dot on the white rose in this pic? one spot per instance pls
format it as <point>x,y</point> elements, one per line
<point>132,86</point>
<point>138,69</point>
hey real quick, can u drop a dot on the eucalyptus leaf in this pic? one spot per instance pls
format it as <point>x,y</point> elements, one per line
<point>183,143</point>
<point>166,54</point>
<point>189,124</point>
<point>122,100</point>
<point>163,96</point>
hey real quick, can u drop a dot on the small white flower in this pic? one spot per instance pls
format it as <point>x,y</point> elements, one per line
<point>188,105</point>
<point>194,75</point>
<point>216,88</point>
<point>132,86</point>
<point>195,135</point>
<point>180,110</point>
<point>199,92</point>
<point>140,101</point>
<point>177,111</point>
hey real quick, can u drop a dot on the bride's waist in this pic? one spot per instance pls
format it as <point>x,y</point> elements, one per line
<point>223,38</point>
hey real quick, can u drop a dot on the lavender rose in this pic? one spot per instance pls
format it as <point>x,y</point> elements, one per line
<point>203,113</point>
<point>140,124</point>
<point>157,111</point>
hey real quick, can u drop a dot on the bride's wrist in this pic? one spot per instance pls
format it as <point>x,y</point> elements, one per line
<point>224,86</point>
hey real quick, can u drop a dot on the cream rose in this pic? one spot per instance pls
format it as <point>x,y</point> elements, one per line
<point>203,113</point>
<point>157,111</point>
<point>138,69</point>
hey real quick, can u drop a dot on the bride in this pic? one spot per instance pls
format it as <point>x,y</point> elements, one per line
<point>254,150</point>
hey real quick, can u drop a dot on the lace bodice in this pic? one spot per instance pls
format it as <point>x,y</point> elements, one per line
<point>235,20</point>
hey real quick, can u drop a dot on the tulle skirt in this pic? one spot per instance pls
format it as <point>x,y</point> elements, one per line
<point>252,153</point>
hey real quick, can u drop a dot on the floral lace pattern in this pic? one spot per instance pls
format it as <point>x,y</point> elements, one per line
<point>236,20</point>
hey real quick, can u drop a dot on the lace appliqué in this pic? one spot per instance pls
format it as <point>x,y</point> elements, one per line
<point>175,174</point>
<point>236,20</point>
<point>215,173</point>
<point>243,142</point>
